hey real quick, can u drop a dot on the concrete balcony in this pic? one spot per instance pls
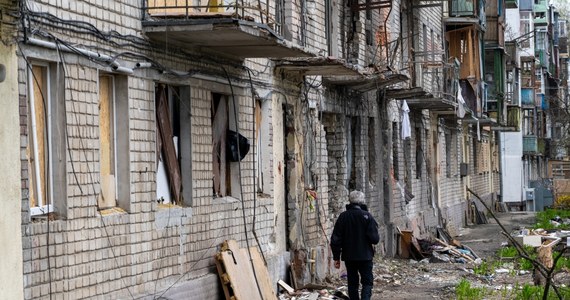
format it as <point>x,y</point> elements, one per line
<point>513,122</point>
<point>464,12</point>
<point>238,31</point>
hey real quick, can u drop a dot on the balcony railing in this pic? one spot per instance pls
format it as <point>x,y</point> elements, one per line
<point>463,8</point>
<point>512,3</point>
<point>242,29</point>
<point>542,57</point>
<point>527,97</point>
<point>542,146</point>
<point>514,117</point>
<point>187,9</point>
<point>530,145</point>
<point>526,5</point>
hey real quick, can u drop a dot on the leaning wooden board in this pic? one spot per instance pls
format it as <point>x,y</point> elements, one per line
<point>262,274</point>
<point>236,273</point>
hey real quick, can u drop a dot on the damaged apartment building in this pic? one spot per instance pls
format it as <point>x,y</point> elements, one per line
<point>153,130</point>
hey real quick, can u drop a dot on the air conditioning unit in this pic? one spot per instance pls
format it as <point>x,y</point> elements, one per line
<point>528,194</point>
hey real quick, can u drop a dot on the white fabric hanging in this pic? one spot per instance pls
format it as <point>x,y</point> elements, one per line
<point>406,127</point>
<point>460,104</point>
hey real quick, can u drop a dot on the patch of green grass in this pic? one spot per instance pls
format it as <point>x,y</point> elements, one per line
<point>543,218</point>
<point>465,291</point>
<point>525,264</point>
<point>507,252</point>
<point>529,292</point>
<point>484,268</point>
<point>532,292</point>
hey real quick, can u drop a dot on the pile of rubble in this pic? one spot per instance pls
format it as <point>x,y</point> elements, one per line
<point>421,252</point>
<point>437,249</point>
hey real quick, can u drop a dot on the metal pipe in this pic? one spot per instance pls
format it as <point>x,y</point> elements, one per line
<point>94,55</point>
<point>143,65</point>
<point>124,70</point>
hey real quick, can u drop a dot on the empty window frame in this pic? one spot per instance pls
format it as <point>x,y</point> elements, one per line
<point>475,148</point>
<point>114,149</point>
<point>448,155</point>
<point>372,151</point>
<point>47,155</point>
<point>407,143</point>
<point>395,160</point>
<point>419,152</point>
<point>263,141</point>
<point>352,130</point>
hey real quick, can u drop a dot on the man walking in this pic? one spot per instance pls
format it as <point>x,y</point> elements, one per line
<point>355,231</point>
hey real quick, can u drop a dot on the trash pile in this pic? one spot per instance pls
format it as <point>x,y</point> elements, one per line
<point>441,249</point>
<point>544,237</point>
<point>312,292</point>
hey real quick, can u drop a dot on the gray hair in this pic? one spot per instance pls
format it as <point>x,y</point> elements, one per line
<point>356,197</point>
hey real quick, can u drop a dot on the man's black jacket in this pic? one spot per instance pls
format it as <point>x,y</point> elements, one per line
<point>355,231</point>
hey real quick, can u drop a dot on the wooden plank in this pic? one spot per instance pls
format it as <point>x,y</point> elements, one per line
<point>262,274</point>
<point>219,134</point>
<point>286,287</point>
<point>239,271</point>
<point>171,160</point>
<point>405,243</point>
<point>223,276</point>
<point>106,197</point>
<point>470,49</point>
<point>39,197</point>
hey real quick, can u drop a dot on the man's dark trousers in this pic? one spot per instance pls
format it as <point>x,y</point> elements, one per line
<point>364,268</point>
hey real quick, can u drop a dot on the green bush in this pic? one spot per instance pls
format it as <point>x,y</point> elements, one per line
<point>562,202</point>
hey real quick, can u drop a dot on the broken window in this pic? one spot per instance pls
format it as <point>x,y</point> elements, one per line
<point>114,177</point>
<point>395,161</point>
<point>352,130</point>
<point>174,155</point>
<point>372,146</point>
<point>448,153</point>
<point>220,127</point>
<point>419,152</point>
<point>408,163</point>
<point>475,147</point>
<point>46,152</point>
<point>310,159</point>
<point>262,140</point>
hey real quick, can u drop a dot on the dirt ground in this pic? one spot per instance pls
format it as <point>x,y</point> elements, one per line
<point>409,279</point>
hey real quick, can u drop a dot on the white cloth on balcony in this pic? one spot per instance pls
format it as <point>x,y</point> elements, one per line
<point>406,127</point>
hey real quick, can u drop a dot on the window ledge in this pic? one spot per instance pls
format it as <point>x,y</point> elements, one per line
<point>225,200</point>
<point>167,206</point>
<point>112,211</point>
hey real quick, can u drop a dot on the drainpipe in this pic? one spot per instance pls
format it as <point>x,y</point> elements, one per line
<point>94,55</point>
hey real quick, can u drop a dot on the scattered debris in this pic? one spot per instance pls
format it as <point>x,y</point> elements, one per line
<point>537,237</point>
